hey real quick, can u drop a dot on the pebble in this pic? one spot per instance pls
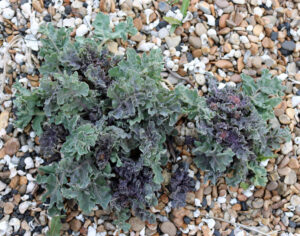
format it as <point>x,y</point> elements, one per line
<point>24,206</point>
<point>16,223</point>
<point>2,186</point>
<point>291,178</point>
<point>164,32</point>
<point>8,208</point>
<point>173,42</point>
<point>168,228</point>
<point>294,163</point>
<point>222,3</point>
<point>11,146</point>
<point>163,7</point>
<point>288,45</point>
<point>29,163</point>
<point>295,200</point>
<point>284,119</point>
<point>8,13</point>
<point>287,148</point>
<point>136,224</point>
<point>75,225</point>
<point>210,20</point>
<point>204,6</point>
<point>82,30</point>
<point>272,185</point>
<point>295,101</point>
<point>200,29</point>
<point>224,64</point>
<point>195,41</point>
<point>258,203</point>
<point>239,1</point>
<point>234,39</point>
<point>200,79</point>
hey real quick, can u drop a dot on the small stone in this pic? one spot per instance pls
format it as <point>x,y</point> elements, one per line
<point>204,6</point>
<point>224,64</point>
<point>290,112</point>
<point>2,186</point>
<point>272,185</point>
<point>236,207</point>
<point>11,146</point>
<point>8,208</point>
<point>163,7</point>
<point>16,223</point>
<point>200,29</point>
<point>258,29</point>
<point>8,13</point>
<point>4,119</point>
<point>258,203</point>
<point>14,182</point>
<point>287,148</point>
<point>284,119</point>
<point>288,45</point>
<point>136,224</point>
<point>256,62</point>
<point>82,30</point>
<point>274,36</point>
<point>210,20</point>
<point>75,225</point>
<point>294,163</point>
<point>284,171</point>
<point>222,3</point>
<point>190,197</point>
<point>234,39</point>
<point>168,228</point>
<point>173,42</point>
<point>267,43</point>
<point>138,23</point>
<point>259,193</point>
<point>162,33</point>
<point>236,78</point>
<point>24,206</point>
<point>239,1</point>
<point>295,200</point>
<point>295,101</point>
<point>291,178</point>
<point>29,164</point>
<point>200,79</point>
<point>195,41</point>
<point>112,47</point>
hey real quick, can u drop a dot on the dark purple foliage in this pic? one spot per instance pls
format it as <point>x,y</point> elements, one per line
<point>180,184</point>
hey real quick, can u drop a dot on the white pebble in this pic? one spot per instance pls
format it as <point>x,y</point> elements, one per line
<point>69,22</point>
<point>24,148</point>
<point>295,101</point>
<point>30,187</point>
<point>82,30</point>
<point>210,20</point>
<point>24,206</point>
<point>92,231</point>
<point>8,13</point>
<point>31,42</point>
<point>170,64</point>
<point>264,163</point>
<point>15,222</point>
<point>210,223</point>
<point>197,202</point>
<point>297,140</point>
<point>250,28</point>
<point>282,76</point>
<point>197,185</point>
<point>233,201</point>
<point>19,58</point>
<point>258,11</point>
<point>4,4</point>
<point>7,104</point>
<point>2,186</point>
<point>3,227</point>
<point>197,213</point>
<point>244,39</point>
<point>29,163</point>
<point>221,199</point>
<point>145,47</point>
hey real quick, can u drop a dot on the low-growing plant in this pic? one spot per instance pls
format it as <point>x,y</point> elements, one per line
<point>234,132</point>
<point>103,122</point>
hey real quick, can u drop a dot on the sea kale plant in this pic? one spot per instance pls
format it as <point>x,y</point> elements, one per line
<point>102,121</point>
<point>234,129</point>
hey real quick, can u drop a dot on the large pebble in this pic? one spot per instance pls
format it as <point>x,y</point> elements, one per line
<point>239,1</point>
<point>24,206</point>
<point>204,6</point>
<point>8,13</point>
<point>222,3</point>
<point>82,30</point>
<point>11,146</point>
<point>200,29</point>
<point>173,42</point>
<point>258,203</point>
<point>168,228</point>
<point>287,148</point>
<point>136,224</point>
<point>75,225</point>
<point>2,186</point>
<point>291,178</point>
<point>195,41</point>
<point>295,200</point>
<point>288,45</point>
<point>4,119</point>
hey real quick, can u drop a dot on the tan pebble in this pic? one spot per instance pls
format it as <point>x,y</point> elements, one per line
<point>224,31</point>
<point>23,180</point>
<point>254,49</point>
<point>4,119</point>
<point>236,78</point>
<point>268,195</point>
<point>75,225</point>
<point>138,37</point>
<point>178,222</point>
<point>37,6</point>
<point>8,208</point>
<point>14,182</point>
<point>236,207</point>
<point>227,47</point>
<point>276,198</point>
<point>284,171</point>
<point>224,64</point>
<point>138,23</point>
<point>107,5</point>
<point>253,38</point>
<point>197,53</point>
<point>267,43</point>
<point>25,226</point>
<point>222,21</point>
<point>257,30</point>
<point>205,230</point>
<point>259,193</point>
<point>241,197</point>
<point>12,146</point>
<point>240,64</point>
<point>2,153</point>
<point>290,112</point>
<point>294,163</point>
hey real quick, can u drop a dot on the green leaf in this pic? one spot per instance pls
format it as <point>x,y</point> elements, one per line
<point>172,20</point>
<point>55,226</point>
<point>184,7</point>
<point>244,185</point>
<point>260,174</point>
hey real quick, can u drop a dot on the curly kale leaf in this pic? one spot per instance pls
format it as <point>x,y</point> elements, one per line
<point>265,93</point>
<point>28,107</point>
<point>180,184</point>
<point>104,33</point>
<point>147,66</point>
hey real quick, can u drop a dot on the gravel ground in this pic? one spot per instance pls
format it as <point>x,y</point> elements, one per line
<point>224,37</point>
